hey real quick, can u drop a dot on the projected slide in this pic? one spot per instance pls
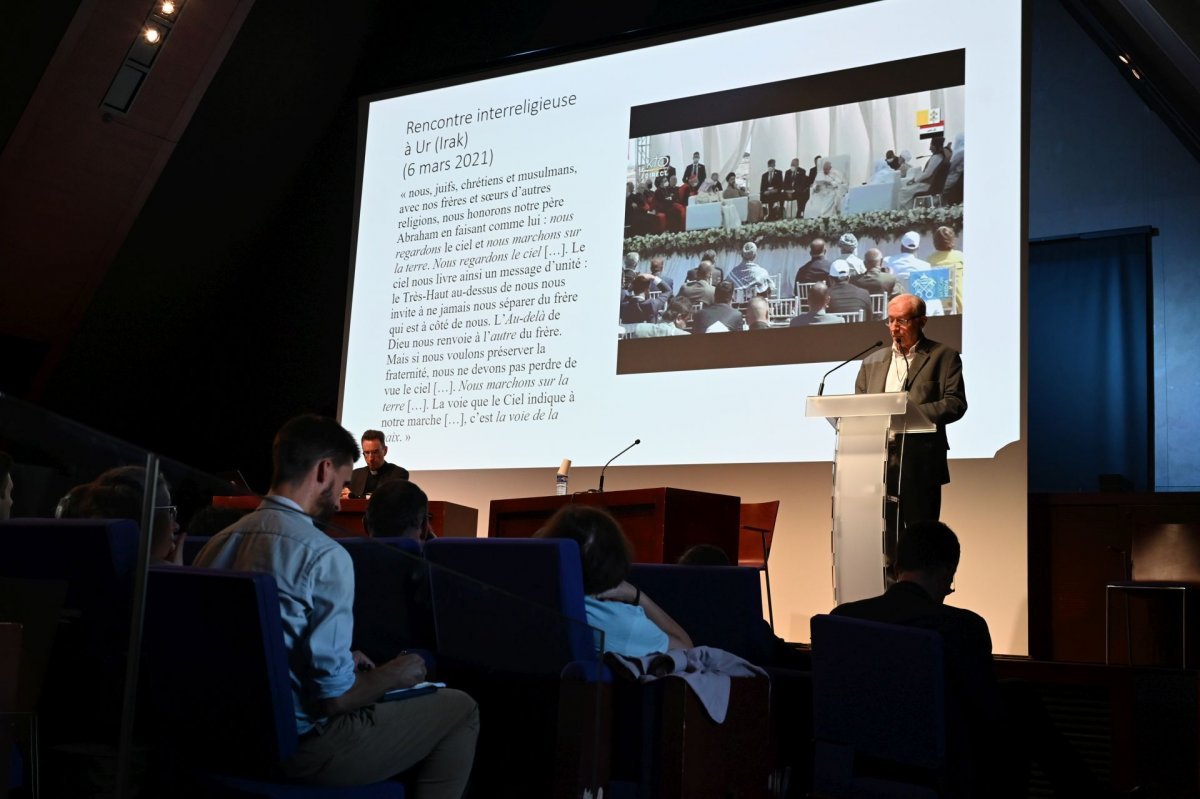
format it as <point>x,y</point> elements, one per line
<point>507,311</point>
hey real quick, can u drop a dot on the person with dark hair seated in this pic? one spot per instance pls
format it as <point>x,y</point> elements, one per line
<point>399,509</point>
<point>721,316</point>
<point>117,494</point>
<point>632,623</point>
<point>639,306</point>
<point>1006,725</point>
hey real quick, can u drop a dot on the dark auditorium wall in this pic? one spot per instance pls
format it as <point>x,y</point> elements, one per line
<point>1100,159</point>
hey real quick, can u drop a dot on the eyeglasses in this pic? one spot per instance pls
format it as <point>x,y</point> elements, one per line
<point>905,322</point>
<point>172,510</point>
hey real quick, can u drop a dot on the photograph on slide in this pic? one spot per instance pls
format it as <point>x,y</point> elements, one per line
<point>810,209</point>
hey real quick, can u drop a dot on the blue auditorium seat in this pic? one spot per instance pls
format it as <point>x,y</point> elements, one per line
<point>216,672</point>
<point>879,700</point>
<point>392,607</point>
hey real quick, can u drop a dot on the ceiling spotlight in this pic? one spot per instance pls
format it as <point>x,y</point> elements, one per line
<point>1135,73</point>
<point>167,8</point>
<point>1120,57</point>
<point>152,35</point>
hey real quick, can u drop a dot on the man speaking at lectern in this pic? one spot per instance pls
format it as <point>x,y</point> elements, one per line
<point>931,373</point>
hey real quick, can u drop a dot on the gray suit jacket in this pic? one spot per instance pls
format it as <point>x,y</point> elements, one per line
<point>935,383</point>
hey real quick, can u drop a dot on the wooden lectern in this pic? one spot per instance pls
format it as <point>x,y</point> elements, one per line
<point>661,523</point>
<point>865,423</point>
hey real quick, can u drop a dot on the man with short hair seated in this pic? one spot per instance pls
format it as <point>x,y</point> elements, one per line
<point>758,314</point>
<point>639,306</point>
<point>701,288</point>
<point>818,299</point>
<point>1006,725</point>
<point>346,736</point>
<point>720,317</point>
<point>674,321</point>
<point>399,509</point>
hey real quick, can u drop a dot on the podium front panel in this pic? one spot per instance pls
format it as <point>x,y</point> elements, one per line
<point>859,476</point>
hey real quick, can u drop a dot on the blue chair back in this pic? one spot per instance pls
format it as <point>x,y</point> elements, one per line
<point>216,668</point>
<point>70,582</point>
<point>392,606</point>
<point>719,606</point>
<point>880,688</point>
<point>509,604</point>
<point>96,558</point>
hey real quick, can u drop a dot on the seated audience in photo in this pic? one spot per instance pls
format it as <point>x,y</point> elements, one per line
<point>718,275</point>
<point>848,251</point>
<point>884,171</point>
<point>721,316</point>
<point>691,275</point>
<point>690,188</point>
<point>733,188</point>
<point>631,260</point>
<point>944,255</point>
<point>770,192</point>
<point>1006,726</point>
<point>926,181</point>
<point>952,192</point>
<point>906,165</point>
<point>399,509</point>
<point>632,623</point>
<point>826,193</point>
<point>874,281</point>
<point>639,306</point>
<point>117,494</point>
<point>640,217</point>
<point>6,485</point>
<point>700,289</point>
<point>667,202</point>
<point>749,276</point>
<point>795,183</point>
<point>627,278</point>
<point>711,185</point>
<point>818,299</point>
<point>906,261</point>
<point>674,321</point>
<point>844,297</point>
<point>660,282</point>
<point>347,737</point>
<point>758,314</point>
<point>817,267</point>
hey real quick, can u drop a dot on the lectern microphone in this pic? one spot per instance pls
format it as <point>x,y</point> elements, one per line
<point>613,458</point>
<point>821,388</point>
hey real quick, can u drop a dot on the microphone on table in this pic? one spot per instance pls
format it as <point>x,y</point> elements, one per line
<point>613,458</point>
<point>821,388</point>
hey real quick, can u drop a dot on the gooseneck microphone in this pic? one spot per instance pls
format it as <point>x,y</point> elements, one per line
<point>613,458</point>
<point>821,388</point>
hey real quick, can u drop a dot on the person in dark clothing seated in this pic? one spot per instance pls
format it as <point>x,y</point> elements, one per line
<point>1006,726</point>
<point>639,306</point>
<point>720,317</point>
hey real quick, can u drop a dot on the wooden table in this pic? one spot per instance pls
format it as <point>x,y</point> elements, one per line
<point>661,523</point>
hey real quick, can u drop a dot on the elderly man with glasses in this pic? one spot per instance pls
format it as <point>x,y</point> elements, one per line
<point>931,373</point>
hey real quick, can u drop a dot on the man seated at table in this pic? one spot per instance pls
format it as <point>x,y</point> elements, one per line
<point>365,479</point>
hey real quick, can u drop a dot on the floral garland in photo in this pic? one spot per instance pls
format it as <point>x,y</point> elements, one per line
<point>877,225</point>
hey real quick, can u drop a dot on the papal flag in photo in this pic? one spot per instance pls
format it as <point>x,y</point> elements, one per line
<point>930,123</point>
